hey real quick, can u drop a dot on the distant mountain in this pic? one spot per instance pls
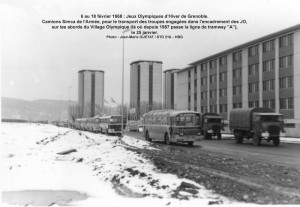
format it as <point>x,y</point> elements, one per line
<point>50,110</point>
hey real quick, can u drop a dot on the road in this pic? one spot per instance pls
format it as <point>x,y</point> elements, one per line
<point>286,154</point>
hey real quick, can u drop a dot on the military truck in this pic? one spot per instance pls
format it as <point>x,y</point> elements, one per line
<point>211,124</point>
<point>256,124</point>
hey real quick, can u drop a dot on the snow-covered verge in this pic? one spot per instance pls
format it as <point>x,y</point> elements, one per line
<point>97,165</point>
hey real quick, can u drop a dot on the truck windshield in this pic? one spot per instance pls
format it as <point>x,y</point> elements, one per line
<point>214,120</point>
<point>271,118</point>
<point>187,120</point>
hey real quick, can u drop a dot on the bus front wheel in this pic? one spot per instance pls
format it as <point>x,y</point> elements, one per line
<point>167,139</point>
<point>147,137</point>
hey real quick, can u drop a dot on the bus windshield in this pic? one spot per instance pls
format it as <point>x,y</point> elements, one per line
<point>97,120</point>
<point>187,120</point>
<point>115,119</point>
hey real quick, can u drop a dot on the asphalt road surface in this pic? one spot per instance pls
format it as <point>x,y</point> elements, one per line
<point>286,154</point>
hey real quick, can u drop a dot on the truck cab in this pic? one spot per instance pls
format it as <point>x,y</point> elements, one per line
<point>211,125</point>
<point>268,126</point>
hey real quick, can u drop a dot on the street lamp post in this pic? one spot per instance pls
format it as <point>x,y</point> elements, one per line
<point>70,102</point>
<point>123,85</point>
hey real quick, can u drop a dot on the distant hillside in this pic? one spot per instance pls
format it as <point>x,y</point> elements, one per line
<point>34,110</point>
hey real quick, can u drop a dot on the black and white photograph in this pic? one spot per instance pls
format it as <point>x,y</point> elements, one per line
<point>150,102</point>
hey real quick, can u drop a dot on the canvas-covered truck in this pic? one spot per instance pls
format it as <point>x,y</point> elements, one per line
<point>211,124</point>
<point>256,124</point>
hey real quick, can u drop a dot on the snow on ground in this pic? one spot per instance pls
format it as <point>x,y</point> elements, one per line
<point>101,167</point>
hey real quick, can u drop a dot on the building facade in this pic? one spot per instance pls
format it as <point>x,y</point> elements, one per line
<point>260,73</point>
<point>90,92</point>
<point>170,82</point>
<point>145,87</point>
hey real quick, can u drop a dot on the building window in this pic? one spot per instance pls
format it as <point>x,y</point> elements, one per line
<point>223,76</point>
<point>286,40</point>
<point>253,69</point>
<point>212,64</point>
<point>195,108</point>
<point>253,51</point>
<point>269,46</point>
<point>286,61</point>
<point>269,65</point>
<point>203,109</point>
<point>223,108</point>
<point>195,83</point>
<point>213,108</point>
<point>223,60</point>
<point>237,90</point>
<point>223,92</point>
<point>212,93</point>
<point>237,73</point>
<point>203,67</point>
<point>286,82</point>
<point>237,105</point>
<point>204,81</point>
<point>213,78</point>
<point>237,56</point>
<point>204,95</point>
<point>189,86</point>
<point>269,85</point>
<point>195,97</point>
<point>269,103</point>
<point>286,103</point>
<point>195,71</point>
<point>253,104</point>
<point>189,73</point>
<point>253,87</point>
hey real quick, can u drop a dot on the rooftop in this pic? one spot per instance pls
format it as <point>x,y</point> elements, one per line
<point>138,61</point>
<point>81,71</point>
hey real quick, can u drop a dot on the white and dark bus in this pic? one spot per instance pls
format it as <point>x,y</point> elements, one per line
<point>172,126</point>
<point>112,124</point>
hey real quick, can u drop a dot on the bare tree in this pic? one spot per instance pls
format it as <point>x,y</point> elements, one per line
<point>75,112</point>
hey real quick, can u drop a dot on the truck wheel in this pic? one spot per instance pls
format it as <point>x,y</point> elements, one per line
<point>238,138</point>
<point>256,140</point>
<point>167,139</point>
<point>276,141</point>
<point>191,143</point>
<point>219,136</point>
<point>205,135</point>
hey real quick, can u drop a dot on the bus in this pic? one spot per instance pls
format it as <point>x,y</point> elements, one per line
<point>93,124</point>
<point>112,124</point>
<point>172,126</point>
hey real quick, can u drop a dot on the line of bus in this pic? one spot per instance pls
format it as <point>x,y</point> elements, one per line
<point>111,124</point>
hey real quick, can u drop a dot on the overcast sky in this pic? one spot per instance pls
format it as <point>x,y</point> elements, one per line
<point>40,63</point>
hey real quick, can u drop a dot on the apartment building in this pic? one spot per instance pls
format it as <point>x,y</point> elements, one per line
<point>170,82</point>
<point>145,87</point>
<point>261,73</point>
<point>90,92</point>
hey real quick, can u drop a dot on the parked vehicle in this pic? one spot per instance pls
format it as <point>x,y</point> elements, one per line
<point>172,126</point>
<point>256,124</point>
<point>134,126</point>
<point>211,125</point>
<point>112,124</point>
